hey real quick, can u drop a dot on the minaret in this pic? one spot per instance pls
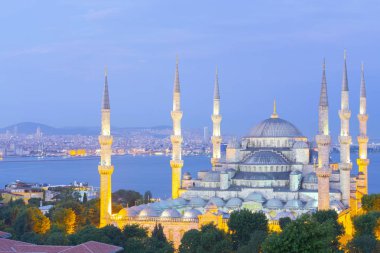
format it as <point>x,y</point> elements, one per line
<point>105,167</point>
<point>176,163</point>
<point>216,118</point>
<point>345,164</point>
<point>363,160</point>
<point>274,114</point>
<point>323,141</point>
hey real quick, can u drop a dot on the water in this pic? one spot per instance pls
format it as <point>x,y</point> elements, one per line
<point>140,173</point>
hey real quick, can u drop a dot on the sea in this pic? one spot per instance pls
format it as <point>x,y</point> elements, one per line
<point>139,173</point>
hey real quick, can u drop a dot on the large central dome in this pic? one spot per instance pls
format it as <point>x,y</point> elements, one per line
<point>275,127</point>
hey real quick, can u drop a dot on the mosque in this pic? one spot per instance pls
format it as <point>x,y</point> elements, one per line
<point>270,170</point>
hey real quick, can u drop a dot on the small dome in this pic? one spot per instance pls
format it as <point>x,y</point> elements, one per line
<point>294,204</point>
<point>295,172</point>
<point>284,214</point>
<point>148,212</point>
<point>300,145</point>
<point>197,202</point>
<point>170,213</point>
<point>274,204</point>
<point>128,212</point>
<point>275,127</point>
<point>216,201</point>
<point>212,176</point>
<point>163,204</point>
<point>311,178</point>
<point>234,203</point>
<point>179,202</point>
<point>336,205</point>
<point>312,204</point>
<point>187,176</point>
<point>255,196</point>
<point>191,214</point>
<point>266,157</point>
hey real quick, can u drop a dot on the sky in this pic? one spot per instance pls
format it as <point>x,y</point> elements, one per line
<point>53,55</point>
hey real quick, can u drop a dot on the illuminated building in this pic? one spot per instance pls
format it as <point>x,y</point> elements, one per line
<point>271,170</point>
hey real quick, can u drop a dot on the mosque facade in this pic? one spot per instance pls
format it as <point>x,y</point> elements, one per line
<point>271,170</point>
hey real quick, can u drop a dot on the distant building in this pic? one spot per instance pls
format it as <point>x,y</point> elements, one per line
<point>206,136</point>
<point>24,190</point>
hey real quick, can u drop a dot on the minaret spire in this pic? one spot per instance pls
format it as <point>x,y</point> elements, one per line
<point>274,114</point>
<point>345,164</point>
<point>363,160</point>
<point>105,167</point>
<point>176,162</point>
<point>216,118</point>
<point>323,140</point>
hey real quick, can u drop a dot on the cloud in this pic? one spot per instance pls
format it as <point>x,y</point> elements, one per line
<point>93,15</point>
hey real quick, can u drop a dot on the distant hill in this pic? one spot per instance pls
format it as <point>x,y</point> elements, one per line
<point>31,128</point>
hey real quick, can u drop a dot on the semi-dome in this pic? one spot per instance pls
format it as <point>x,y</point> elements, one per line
<point>191,214</point>
<point>216,201</point>
<point>255,196</point>
<point>311,178</point>
<point>187,176</point>
<point>284,214</point>
<point>336,205</point>
<point>300,145</point>
<point>148,212</point>
<point>179,202</point>
<point>266,157</point>
<point>312,204</point>
<point>275,127</point>
<point>197,202</point>
<point>170,213</point>
<point>234,203</point>
<point>212,176</point>
<point>274,204</point>
<point>294,204</point>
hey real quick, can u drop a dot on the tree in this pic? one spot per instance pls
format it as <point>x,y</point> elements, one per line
<point>303,235</point>
<point>366,224</point>
<point>135,231</point>
<point>38,222</point>
<point>284,222</point>
<point>147,197</point>
<point>64,218</point>
<point>371,202</point>
<point>362,244</point>
<point>34,202</point>
<point>158,233</point>
<point>126,197</point>
<point>243,223</point>
<point>331,215</point>
<point>254,244</point>
<point>209,239</point>
<point>84,198</point>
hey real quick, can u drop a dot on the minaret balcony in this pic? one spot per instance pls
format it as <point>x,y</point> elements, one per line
<point>176,164</point>
<point>105,169</point>
<point>362,162</point>
<point>176,139</point>
<point>362,139</point>
<point>216,119</point>
<point>176,115</point>
<point>216,140</point>
<point>323,140</point>
<point>345,166</point>
<point>363,117</point>
<point>345,114</point>
<point>105,140</point>
<point>323,172</point>
<point>345,140</point>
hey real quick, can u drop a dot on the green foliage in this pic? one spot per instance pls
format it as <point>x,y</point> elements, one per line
<point>254,244</point>
<point>126,197</point>
<point>84,198</point>
<point>209,239</point>
<point>64,218</point>
<point>306,234</point>
<point>366,224</point>
<point>362,244</point>
<point>371,202</point>
<point>284,222</point>
<point>243,223</point>
<point>34,202</point>
<point>158,233</point>
<point>135,231</point>
<point>147,197</point>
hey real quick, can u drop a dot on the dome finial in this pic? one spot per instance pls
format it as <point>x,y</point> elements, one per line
<point>274,114</point>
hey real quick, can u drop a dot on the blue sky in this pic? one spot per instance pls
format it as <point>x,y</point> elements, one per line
<point>53,53</point>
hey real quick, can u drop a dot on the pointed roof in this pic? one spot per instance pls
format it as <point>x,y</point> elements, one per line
<point>345,80</point>
<point>363,92</point>
<point>177,87</point>
<point>323,99</point>
<point>274,114</point>
<point>106,98</point>
<point>216,86</point>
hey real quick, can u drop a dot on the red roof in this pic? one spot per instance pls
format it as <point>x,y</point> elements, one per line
<point>11,246</point>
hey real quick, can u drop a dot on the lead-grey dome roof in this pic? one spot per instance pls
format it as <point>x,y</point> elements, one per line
<point>148,212</point>
<point>266,157</point>
<point>274,204</point>
<point>255,196</point>
<point>191,214</point>
<point>234,203</point>
<point>197,202</point>
<point>170,213</point>
<point>275,127</point>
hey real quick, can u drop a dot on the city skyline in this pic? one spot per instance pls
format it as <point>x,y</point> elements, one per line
<point>62,71</point>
